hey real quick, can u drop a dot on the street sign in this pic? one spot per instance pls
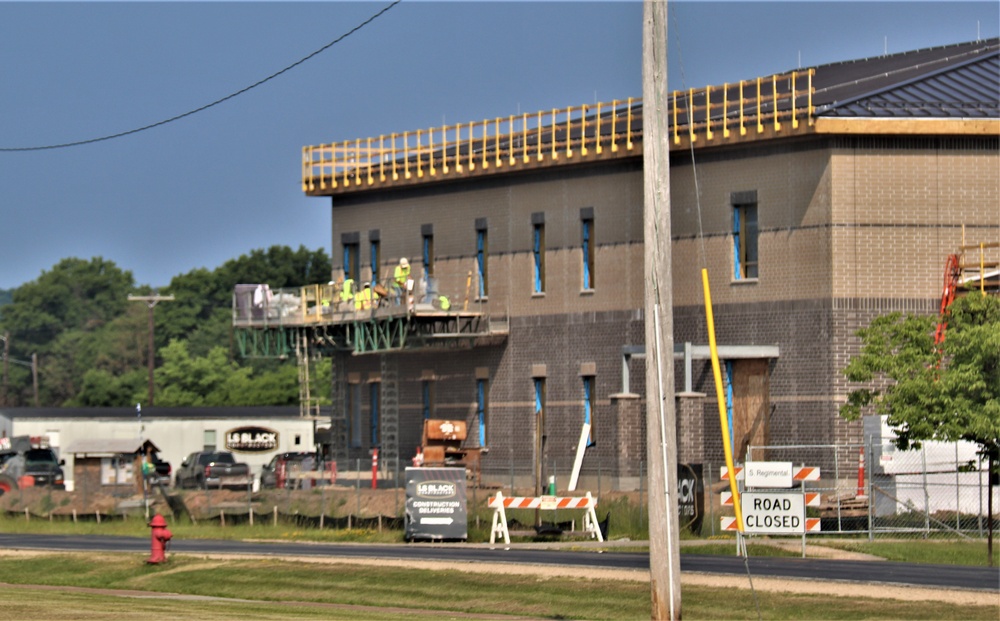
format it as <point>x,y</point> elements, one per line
<point>768,474</point>
<point>776,513</point>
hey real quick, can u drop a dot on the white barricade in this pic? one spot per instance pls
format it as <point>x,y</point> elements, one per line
<point>499,504</point>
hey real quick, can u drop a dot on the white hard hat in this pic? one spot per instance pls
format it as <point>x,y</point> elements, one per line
<point>404,262</point>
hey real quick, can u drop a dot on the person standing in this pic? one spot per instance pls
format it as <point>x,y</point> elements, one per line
<point>401,282</point>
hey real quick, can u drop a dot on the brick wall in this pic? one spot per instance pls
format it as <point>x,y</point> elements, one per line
<point>850,228</point>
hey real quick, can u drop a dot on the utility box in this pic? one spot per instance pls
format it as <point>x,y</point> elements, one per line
<point>436,504</point>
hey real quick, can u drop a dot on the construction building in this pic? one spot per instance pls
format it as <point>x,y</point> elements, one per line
<point>816,198</point>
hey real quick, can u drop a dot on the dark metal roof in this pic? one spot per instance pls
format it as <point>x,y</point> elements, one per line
<point>152,413</point>
<point>961,80</point>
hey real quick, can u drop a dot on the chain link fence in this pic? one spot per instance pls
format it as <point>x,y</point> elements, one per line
<point>874,489</point>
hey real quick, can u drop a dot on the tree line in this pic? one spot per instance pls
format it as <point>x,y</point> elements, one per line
<point>91,343</point>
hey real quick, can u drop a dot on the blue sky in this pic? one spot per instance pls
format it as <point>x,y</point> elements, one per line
<point>211,186</point>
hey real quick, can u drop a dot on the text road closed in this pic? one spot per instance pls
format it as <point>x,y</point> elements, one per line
<point>775,513</point>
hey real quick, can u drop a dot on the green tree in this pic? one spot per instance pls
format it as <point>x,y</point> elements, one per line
<point>925,392</point>
<point>61,317</point>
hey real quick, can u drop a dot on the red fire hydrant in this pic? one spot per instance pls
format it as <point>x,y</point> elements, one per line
<point>161,535</point>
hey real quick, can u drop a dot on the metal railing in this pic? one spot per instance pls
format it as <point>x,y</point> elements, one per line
<point>258,305</point>
<point>555,136</point>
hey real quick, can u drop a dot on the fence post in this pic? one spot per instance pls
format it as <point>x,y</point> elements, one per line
<point>927,497</point>
<point>871,495</point>
<point>836,483</point>
<point>958,489</point>
<point>708,478</point>
<point>990,490</point>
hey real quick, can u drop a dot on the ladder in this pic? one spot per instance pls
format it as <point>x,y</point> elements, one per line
<point>338,412</point>
<point>389,451</point>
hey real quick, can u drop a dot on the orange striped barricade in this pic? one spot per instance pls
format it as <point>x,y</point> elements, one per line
<point>499,504</point>
<point>799,473</point>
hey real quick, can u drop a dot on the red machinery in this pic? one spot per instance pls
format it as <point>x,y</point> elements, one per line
<point>952,278</point>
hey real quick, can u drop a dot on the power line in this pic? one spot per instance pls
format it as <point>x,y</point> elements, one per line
<point>214,103</point>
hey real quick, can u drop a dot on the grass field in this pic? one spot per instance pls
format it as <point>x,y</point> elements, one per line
<point>275,589</point>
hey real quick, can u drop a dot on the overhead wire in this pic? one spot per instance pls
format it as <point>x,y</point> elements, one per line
<point>233,95</point>
<point>741,542</point>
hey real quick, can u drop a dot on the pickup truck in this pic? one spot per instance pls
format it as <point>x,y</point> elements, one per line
<point>208,469</point>
<point>29,460</point>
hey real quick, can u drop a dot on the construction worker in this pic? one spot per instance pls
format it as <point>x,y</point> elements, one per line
<point>401,278</point>
<point>347,291</point>
<point>363,300</point>
<point>444,302</point>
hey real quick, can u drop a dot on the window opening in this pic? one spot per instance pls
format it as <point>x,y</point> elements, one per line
<point>427,398</point>
<point>376,260</point>
<point>539,431</point>
<point>352,269</point>
<point>482,409</point>
<point>745,234</point>
<point>428,255</point>
<point>538,249</point>
<point>588,408</point>
<point>587,231</point>
<point>482,264</point>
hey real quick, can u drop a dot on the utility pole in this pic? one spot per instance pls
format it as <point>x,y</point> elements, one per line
<point>34,376</point>
<point>33,365</point>
<point>151,301</point>
<point>661,431</point>
<point>6,354</point>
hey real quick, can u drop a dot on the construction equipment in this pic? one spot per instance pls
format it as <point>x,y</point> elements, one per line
<point>952,279</point>
<point>442,446</point>
<point>966,273</point>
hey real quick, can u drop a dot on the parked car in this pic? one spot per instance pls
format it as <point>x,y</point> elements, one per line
<point>282,464</point>
<point>212,469</point>
<point>22,456</point>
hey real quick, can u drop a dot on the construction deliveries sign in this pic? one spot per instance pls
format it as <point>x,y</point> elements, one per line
<point>436,504</point>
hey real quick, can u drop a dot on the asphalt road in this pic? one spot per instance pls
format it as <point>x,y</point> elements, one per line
<point>870,572</point>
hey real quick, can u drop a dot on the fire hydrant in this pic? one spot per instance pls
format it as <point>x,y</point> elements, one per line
<point>161,535</point>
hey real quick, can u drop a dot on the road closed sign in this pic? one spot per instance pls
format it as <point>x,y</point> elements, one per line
<point>775,513</point>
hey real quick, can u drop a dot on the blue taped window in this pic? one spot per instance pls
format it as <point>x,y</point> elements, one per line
<point>587,231</point>
<point>482,264</point>
<point>352,266</point>
<point>482,409</point>
<point>588,408</point>
<point>538,251</point>
<point>539,400</point>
